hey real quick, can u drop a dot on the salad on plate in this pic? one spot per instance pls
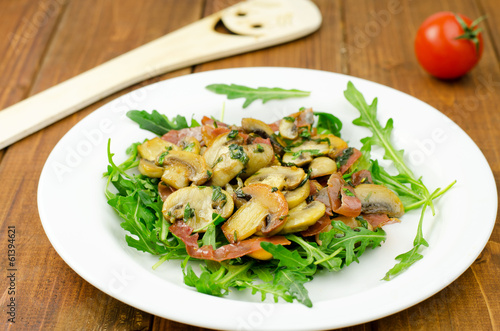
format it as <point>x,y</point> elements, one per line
<point>263,206</point>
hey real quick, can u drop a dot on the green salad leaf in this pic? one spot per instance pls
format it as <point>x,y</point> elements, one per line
<point>328,124</point>
<point>412,189</point>
<point>234,91</point>
<point>159,123</point>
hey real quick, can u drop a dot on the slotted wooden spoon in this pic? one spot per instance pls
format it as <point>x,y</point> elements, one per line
<point>256,24</point>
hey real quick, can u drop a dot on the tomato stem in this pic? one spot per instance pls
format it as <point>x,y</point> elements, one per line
<point>470,32</point>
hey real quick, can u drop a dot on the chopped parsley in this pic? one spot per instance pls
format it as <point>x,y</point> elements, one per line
<point>162,156</point>
<point>289,119</point>
<point>237,153</point>
<point>305,134</point>
<point>342,158</point>
<point>189,147</point>
<point>233,134</point>
<point>188,212</point>
<point>310,151</point>
<point>348,192</point>
<point>217,195</point>
<point>259,149</point>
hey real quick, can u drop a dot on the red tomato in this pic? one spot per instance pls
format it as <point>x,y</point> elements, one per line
<point>448,47</point>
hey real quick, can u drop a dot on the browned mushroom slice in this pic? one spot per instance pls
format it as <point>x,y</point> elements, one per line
<point>148,168</point>
<point>280,177</point>
<point>378,199</point>
<point>190,144</point>
<point>288,129</point>
<point>296,196</point>
<point>219,147</point>
<point>303,216</point>
<point>337,145</point>
<point>150,149</point>
<point>181,163</point>
<point>259,156</point>
<point>304,153</point>
<point>201,206</point>
<point>322,166</point>
<point>256,126</point>
<point>264,214</point>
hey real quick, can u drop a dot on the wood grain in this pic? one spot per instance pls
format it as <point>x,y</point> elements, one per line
<point>51,295</point>
<point>28,27</point>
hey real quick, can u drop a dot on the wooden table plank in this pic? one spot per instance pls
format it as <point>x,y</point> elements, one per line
<point>30,26</point>
<point>491,11</point>
<point>50,294</point>
<point>381,38</point>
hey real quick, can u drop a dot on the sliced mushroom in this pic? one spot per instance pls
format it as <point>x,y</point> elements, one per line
<point>322,166</point>
<point>190,144</point>
<point>288,129</point>
<point>296,196</point>
<point>177,177</point>
<point>303,154</point>
<point>280,177</point>
<point>303,216</point>
<point>201,206</point>
<point>259,156</point>
<point>256,126</point>
<point>150,149</point>
<point>337,145</point>
<point>378,199</point>
<point>264,215</point>
<point>148,168</point>
<point>225,169</point>
<point>213,152</point>
<point>180,163</point>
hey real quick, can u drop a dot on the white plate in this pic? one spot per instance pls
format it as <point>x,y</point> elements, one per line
<point>86,233</point>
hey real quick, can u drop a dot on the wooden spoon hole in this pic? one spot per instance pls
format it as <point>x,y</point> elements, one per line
<point>220,27</point>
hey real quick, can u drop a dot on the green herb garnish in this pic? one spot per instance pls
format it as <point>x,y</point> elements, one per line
<point>233,134</point>
<point>236,152</point>
<point>310,151</point>
<point>259,149</point>
<point>159,123</point>
<point>234,91</point>
<point>411,189</point>
<point>188,212</point>
<point>217,195</point>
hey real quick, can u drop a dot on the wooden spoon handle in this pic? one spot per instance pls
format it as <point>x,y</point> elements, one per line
<point>193,44</point>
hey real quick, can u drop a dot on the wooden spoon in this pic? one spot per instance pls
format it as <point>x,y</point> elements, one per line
<point>257,24</point>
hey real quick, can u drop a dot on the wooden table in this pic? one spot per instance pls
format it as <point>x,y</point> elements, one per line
<point>45,42</point>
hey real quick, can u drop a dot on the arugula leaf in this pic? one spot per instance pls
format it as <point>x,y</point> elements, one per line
<point>287,258</point>
<point>330,262</point>
<point>415,194</point>
<point>352,241</point>
<point>294,281</point>
<point>234,91</point>
<point>328,124</point>
<point>159,123</point>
